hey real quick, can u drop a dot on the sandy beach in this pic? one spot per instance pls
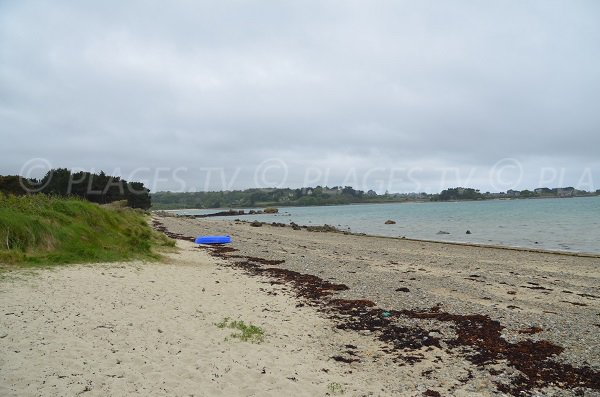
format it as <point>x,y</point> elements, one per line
<point>342,314</point>
<point>149,329</point>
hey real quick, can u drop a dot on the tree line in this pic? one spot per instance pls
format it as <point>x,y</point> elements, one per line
<point>97,188</point>
<point>319,195</point>
<point>336,195</point>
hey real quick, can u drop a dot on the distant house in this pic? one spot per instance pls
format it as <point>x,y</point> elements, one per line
<point>566,192</point>
<point>331,191</point>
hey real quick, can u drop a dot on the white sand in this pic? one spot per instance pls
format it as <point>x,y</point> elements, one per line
<point>149,329</point>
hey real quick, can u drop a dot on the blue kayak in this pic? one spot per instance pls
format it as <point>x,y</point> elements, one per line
<point>213,240</point>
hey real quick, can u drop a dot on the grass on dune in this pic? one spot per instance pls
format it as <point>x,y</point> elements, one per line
<point>44,230</point>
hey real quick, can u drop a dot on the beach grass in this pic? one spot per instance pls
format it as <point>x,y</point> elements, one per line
<point>45,230</point>
<point>335,388</point>
<point>248,332</point>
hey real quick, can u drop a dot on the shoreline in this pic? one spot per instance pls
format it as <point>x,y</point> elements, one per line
<point>536,234</point>
<point>467,244</point>
<point>503,247</point>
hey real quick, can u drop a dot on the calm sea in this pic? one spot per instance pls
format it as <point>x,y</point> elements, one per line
<point>570,224</point>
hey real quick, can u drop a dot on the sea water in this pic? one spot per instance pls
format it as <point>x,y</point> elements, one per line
<point>567,224</point>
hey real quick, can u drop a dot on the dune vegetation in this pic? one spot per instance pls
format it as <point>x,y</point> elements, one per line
<point>44,230</point>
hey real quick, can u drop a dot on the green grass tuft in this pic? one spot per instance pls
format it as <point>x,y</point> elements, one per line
<point>248,332</point>
<point>335,388</point>
<point>45,230</point>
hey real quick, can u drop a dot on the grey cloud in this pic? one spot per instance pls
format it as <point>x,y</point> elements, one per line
<point>335,84</point>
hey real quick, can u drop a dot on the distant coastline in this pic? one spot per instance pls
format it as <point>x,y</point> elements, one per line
<point>324,196</point>
<point>220,209</point>
<point>554,225</point>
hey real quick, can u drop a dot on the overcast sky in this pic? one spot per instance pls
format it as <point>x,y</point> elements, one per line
<point>387,95</point>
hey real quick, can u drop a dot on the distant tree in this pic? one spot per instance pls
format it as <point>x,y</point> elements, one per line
<point>526,193</point>
<point>138,196</point>
<point>460,193</point>
<point>57,181</point>
<point>14,184</point>
<point>97,188</point>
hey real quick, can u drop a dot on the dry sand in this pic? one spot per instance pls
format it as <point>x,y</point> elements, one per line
<point>149,328</point>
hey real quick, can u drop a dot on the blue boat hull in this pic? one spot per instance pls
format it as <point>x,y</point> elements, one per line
<point>213,240</point>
